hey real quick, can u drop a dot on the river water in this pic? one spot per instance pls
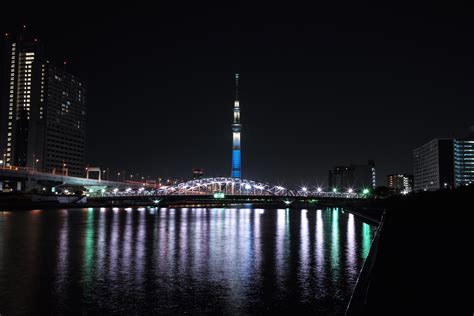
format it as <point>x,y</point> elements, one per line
<point>169,261</point>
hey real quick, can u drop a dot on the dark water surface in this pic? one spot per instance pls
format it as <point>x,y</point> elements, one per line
<point>142,260</point>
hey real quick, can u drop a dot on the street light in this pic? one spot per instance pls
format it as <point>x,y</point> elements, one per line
<point>319,190</point>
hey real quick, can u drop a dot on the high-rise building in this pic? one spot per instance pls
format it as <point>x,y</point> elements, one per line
<point>44,112</point>
<point>464,160</point>
<point>434,165</point>
<point>236,129</point>
<point>18,68</point>
<point>353,176</point>
<point>400,183</point>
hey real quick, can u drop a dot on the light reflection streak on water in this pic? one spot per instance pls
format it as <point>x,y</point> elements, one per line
<point>171,230</point>
<point>281,231</point>
<point>184,227</point>
<point>335,241</point>
<point>100,253</point>
<point>88,248</point>
<point>303,272</point>
<point>63,255</point>
<point>139,246</point>
<point>230,256</point>
<point>320,248</point>
<point>366,240</point>
<point>162,252</point>
<point>197,241</point>
<point>245,248</point>
<point>113,246</point>
<point>351,248</point>
<point>213,240</point>
<point>257,241</point>
<point>127,241</point>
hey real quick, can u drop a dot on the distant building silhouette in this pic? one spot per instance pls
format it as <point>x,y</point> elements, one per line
<point>353,176</point>
<point>198,173</point>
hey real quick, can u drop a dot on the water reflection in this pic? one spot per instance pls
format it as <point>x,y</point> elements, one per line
<point>181,260</point>
<point>320,253</point>
<point>351,249</point>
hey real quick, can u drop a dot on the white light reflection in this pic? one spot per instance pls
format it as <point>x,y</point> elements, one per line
<point>281,239</point>
<point>139,245</point>
<point>162,244</point>
<point>320,248</point>
<point>183,239</point>
<point>126,254</point>
<point>351,249</point>
<point>63,256</point>
<point>113,246</point>
<point>101,242</point>
<point>303,272</point>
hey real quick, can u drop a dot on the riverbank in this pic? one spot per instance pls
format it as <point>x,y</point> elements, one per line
<point>422,264</point>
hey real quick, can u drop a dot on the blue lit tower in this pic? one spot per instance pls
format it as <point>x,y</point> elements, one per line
<point>236,128</point>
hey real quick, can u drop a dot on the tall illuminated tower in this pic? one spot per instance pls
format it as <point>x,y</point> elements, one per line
<point>236,129</point>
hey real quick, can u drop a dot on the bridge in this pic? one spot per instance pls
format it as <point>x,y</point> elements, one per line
<point>206,192</point>
<point>222,186</point>
<point>27,179</point>
<point>238,186</point>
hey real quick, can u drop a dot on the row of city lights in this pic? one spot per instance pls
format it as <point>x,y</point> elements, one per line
<point>248,187</point>
<point>335,190</point>
<point>122,174</point>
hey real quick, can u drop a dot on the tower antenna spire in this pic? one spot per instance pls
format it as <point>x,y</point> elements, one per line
<point>236,86</point>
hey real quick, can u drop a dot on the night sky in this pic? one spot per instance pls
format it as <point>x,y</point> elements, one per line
<point>321,85</point>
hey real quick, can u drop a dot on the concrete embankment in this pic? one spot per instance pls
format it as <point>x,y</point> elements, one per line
<point>422,261</point>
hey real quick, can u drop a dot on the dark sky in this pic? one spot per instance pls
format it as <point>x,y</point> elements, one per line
<point>321,85</point>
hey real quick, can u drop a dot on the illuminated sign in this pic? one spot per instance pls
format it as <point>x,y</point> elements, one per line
<point>219,195</point>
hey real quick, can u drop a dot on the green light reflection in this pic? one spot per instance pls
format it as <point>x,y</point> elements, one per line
<point>366,240</point>
<point>89,245</point>
<point>335,238</point>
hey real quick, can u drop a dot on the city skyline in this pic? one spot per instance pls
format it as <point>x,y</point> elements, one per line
<point>347,96</point>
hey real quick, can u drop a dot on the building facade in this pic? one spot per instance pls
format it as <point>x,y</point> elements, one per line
<point>357,177</point>
<point>44,115</point>
<point>400,183</point>
<point>19,63</point>
<point>464,162</point>
<point>434,165</point>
